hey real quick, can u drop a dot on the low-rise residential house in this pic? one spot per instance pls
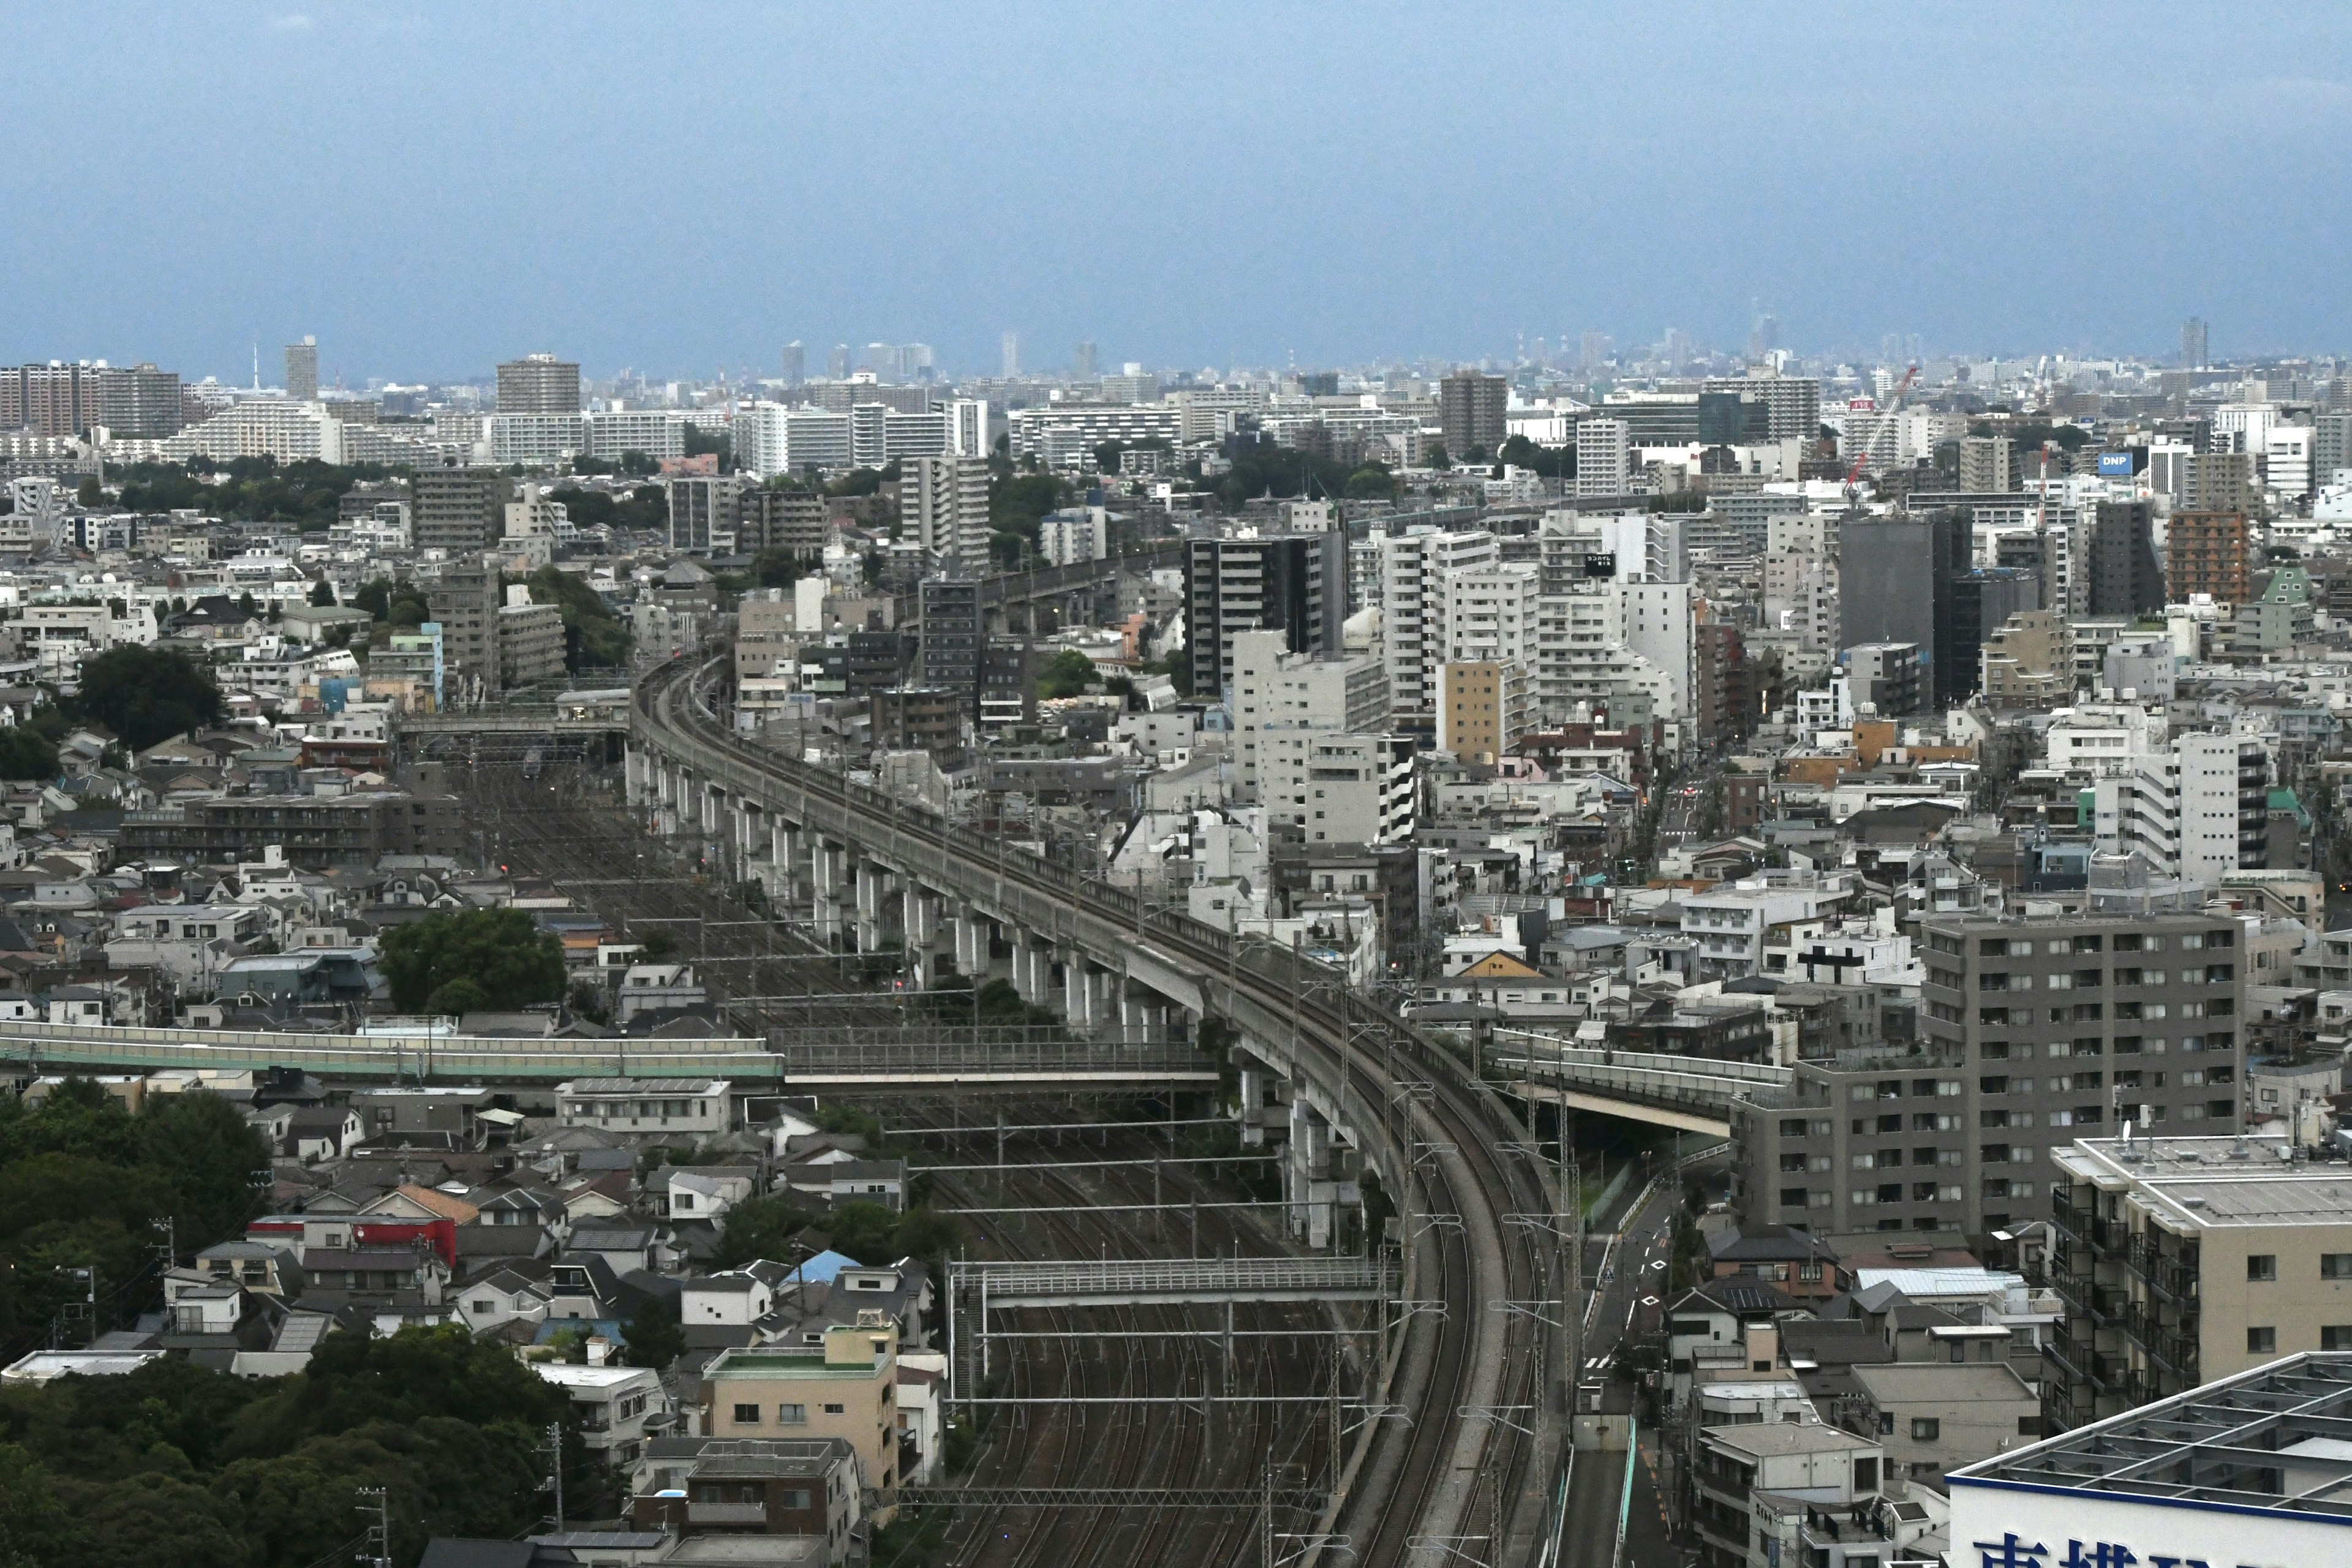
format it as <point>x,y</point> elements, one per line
<point>698,1107</point>
<point>507,1294</point>
<point>1935,1417</point>
<point>317,1132</point>
<point>705,1192</point>
<point>806,1489</point>
<point>848,1388</point>
<point>620,1406</point>
<point>838,1182</point>
<point>1736,1466</point>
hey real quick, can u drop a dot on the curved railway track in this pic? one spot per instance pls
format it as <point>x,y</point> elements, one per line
<point>1461,1479</point>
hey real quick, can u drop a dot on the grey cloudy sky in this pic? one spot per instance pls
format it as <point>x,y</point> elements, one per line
<point>682,188</point>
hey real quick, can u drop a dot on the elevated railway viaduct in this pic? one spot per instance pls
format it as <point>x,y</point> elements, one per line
<point>1461,1440</point>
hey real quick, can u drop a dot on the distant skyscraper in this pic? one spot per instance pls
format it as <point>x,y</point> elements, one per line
<point>1470,410</point>
<point>837,365</point>
<point>539,383</point>
<point>916,361</point>
<point>1012,361</point>
<point>795,364</point>
<point>1083,366</point>
<point>302,370</point>
<point>1593,349</point>
<point>2193,353</point>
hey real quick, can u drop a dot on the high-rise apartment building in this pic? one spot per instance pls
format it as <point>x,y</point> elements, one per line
<point>2331,446</point>
<point>704,511</point>
<point>2183,1260</point>
<point>1604,458</point>
<point>2208,553</point>
<point>950,634</point>
<point>302,370</point>
<point>2194,351</point>
<point>967,427</point>
<point>2124,577</point>
<point>943,507</point>
<point>1792,404</point>
<point>782,520</point>
<point>531,639</point>
<point>1413,569</point>
<point>1276,695</point>
<point>795,364</point>
<point>2032,1029</point>
<point>1985,466</point>
<point>456,509</point>
<point>68,400</point>
<point>2219,482</point>
<point>1293,581</point>
<point>1334,788</point>
<point>1010,355</point>
<point>539,383</point>
<point>465,601</point>
<point>2198,810</point>
<point>1490,613</point>
<point>1470,413</point>
<point>1084,363</point>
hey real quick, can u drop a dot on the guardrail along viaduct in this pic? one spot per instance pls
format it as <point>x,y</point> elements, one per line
<point>1458,1431</point>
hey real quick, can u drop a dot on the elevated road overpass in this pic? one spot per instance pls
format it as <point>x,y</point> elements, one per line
<point>1690,1094</point>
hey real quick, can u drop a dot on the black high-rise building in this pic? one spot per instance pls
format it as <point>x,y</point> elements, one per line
<point>2126,579</point>
<point>1295,583</point>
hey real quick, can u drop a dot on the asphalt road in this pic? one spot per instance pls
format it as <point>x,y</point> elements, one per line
<point>1631,1290</point>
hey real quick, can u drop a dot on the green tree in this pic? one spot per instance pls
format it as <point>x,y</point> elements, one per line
<point>89,492</point>
<point>1436,457</point>
<point>501,953</point>
<point>1067,674</point>
<point>1370,482</point>
<point>593,635</point>
<point>720,443</point>
<point>36,1528</point>
<point>147,695</point>
<point>322,593</point>
<point>26,753</point>
<point>653,1334</point>
<point>757,1228</point>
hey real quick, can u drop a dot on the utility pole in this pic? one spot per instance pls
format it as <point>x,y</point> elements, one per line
<point>554,1451</point>
<point>378,1551</point>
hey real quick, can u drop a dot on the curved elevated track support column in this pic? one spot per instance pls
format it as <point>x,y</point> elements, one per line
<point>1306,1175</point>
<point>828,866</point>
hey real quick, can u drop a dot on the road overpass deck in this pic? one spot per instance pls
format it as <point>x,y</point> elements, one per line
<point>1151,1283</point>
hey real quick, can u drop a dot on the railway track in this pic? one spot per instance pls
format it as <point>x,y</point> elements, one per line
<point>1099,1446</point>
<point>1464,1478</point>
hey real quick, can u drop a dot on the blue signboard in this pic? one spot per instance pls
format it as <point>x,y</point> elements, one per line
<point>2114,465</point>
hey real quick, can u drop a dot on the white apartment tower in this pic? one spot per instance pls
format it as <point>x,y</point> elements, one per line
<point>1413,569</point>
<point>1604,457</point>
<point>1277,697</point>
<point>943,507</point>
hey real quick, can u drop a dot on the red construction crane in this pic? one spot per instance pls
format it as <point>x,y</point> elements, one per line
<point>1893,402</point>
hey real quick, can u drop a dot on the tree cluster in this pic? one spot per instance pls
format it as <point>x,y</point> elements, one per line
<point>593,637</point>
<point>307,492</point>
<point>1068,674</point>
<point>470,960</point>
<point>638,511</point>
<point>178,1464</point>
<point>86,1184</point>
<point>1262,468</point>
<point>1018,500</point>
<point>147,695</point>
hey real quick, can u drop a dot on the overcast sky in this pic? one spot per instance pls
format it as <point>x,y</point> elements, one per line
<point>682,188</point>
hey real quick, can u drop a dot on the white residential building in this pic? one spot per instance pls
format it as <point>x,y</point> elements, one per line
<point>1734,925</point>
<point>1490,613</point>
<point>1338,788</point>
<point>1273,689</point>
<point>771,438</point>
<point>943,507</point>
<point>1072,534</point>
<point>2197,811</point>
<point>1604,458</point>
<point>535,440</point>
<point>655,432</point>
<point>1413,570</point>
<point>1657,622</point>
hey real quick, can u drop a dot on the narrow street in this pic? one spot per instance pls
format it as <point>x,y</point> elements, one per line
<point>1631,1295</point>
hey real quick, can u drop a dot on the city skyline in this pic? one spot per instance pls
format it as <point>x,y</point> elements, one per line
<point>355,174</point>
